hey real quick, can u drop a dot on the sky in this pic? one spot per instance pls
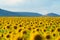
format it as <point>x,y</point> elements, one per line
<point>39,6</point>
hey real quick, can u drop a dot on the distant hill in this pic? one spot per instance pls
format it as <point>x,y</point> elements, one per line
<point>52,14</point>
<point>8,13</point>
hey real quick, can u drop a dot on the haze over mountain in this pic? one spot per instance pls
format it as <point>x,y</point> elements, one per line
<point>8,13</point>
<point>52,14</point>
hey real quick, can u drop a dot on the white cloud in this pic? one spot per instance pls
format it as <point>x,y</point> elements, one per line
<point>10,2</point>
<point>40,6</point>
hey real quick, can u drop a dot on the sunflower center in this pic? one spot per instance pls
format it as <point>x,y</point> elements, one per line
<point>38,37</point>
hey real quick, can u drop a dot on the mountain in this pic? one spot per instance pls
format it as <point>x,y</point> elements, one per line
<point>9,13</point>
<point>52,14</point>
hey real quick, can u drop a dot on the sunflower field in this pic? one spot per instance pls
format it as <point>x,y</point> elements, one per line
<point>29,28</point>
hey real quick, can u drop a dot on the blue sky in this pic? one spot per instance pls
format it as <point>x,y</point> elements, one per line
<point>39,6</point>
